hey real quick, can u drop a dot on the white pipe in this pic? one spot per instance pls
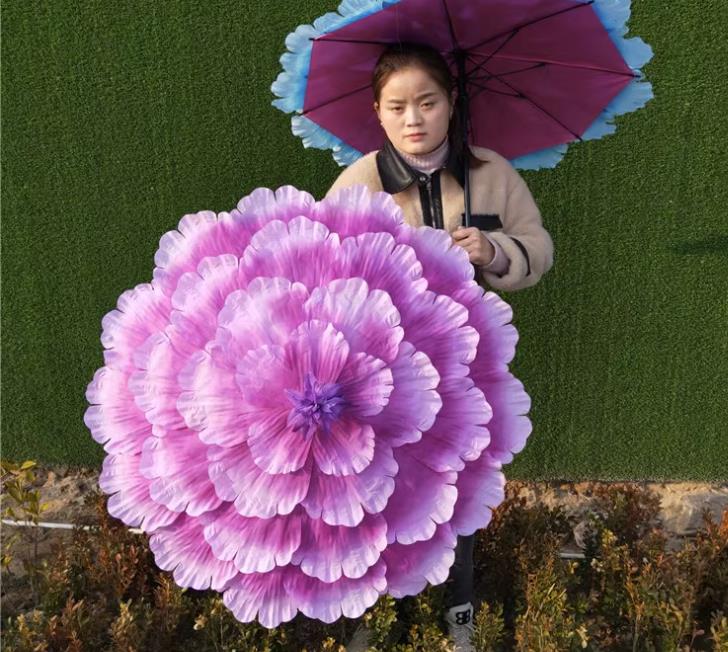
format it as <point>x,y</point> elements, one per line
<point>70,526</point>
<point>56,526</point>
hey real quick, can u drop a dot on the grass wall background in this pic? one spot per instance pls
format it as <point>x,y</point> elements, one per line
<point>120,117</point>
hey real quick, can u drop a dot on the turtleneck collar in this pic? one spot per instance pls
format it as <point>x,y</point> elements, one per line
<point>429,162</point>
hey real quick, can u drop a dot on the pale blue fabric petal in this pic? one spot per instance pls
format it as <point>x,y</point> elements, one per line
<point>544,158</point>
<point>346,155</point>
<point>313,135</point>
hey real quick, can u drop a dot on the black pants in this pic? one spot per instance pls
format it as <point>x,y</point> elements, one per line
<point>459,585</point>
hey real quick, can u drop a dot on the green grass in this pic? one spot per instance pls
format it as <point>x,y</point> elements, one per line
<point>119,118</point>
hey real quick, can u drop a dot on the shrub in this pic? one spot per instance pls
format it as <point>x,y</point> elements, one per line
<point>102,591</point>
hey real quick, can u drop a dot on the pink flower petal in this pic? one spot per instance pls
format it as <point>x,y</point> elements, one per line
<point>265,313</point>
<point>129,494</point>
<point>330,552</point>
<point>263,376</point>
<point>113,418</point>
<point>274,446</point>
<point>510,427</point>
<point>263,206</point>
<point>366,385</point>
<point>198,236</point>
<point>346,449</point>
<point>342,500</point>
<point>200,295</point>
<point>210,401</point>
<point>182,549</point>
<point>459,433</point>
<point>154,386</point>
<point>481,488</point>
<point>410,521</point>
<point>367,318</point>
<point>139,313</point>
<point>414,402</point>
<point>355,210</point>
<point>301,250</point>
<point>264,596</point>
<point>328,601</point>
<point>254,545</point>
<point>256,493</point>
<point>384,265</point>
<point>411,567</point>
<point>445,265</point>
<point>318,347</point>
<point>177,468</point>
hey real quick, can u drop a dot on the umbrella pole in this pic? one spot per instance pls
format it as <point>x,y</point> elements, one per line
<point>463,111</point>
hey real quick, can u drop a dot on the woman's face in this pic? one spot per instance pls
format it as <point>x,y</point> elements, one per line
<point>414,111</point>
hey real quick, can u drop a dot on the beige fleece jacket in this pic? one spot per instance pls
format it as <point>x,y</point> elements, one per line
<point>495,188</point>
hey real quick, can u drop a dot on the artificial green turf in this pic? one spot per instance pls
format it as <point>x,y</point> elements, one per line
<point>119,118</point>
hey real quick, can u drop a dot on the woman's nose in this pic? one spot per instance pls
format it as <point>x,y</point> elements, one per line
<point>412,117</point>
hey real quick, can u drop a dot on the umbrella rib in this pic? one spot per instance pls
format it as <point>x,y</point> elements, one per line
<point>563,64</point>
<point>480,87</point>
<point>533,22</point>
<point>510,72</point>
<point>336,99</point>
<point>538,106</point>
<point>455,44</point>
<point>492,54</point>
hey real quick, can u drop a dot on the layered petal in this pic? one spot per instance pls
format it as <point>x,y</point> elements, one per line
<point>198,236</point>
<point>176,467</point>
<point>368,319</point>
<point>139,313</point>
<point>408,520</point>
<point>301,250</point>
<point>114,419</point>
<point>414,402</point>
<point>481,488</point>
<point>181,548</point>
<point>210,401</point>
<point>355,210</point>
<point>330,552</point>
<point>254,545</point>
<point>342,500</point>
<point>129,498</point>
<point>411,567</point>
<point>255,493</point>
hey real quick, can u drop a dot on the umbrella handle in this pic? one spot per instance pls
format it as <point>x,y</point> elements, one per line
<point>463,110</point>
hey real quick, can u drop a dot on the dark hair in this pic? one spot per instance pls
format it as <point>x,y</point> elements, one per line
<point>415,55</point>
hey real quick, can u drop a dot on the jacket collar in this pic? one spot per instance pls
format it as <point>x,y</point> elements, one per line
<point>397,175</point>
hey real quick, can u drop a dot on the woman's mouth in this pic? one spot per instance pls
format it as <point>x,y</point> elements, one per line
<point>415,136</point>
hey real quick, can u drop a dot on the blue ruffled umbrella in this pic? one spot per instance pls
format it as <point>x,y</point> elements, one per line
<point>474,67</point>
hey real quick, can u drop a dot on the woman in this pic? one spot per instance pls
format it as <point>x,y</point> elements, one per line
<point>421,166</point>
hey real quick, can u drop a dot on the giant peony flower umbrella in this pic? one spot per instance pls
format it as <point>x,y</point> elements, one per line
<point>307,404</point>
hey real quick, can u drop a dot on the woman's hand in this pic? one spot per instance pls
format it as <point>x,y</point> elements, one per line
<point>479,248</point>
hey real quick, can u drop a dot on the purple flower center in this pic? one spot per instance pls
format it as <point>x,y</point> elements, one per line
<point>317,406</point>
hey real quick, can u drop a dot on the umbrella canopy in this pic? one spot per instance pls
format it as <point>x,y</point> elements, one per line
<point>538,74</point>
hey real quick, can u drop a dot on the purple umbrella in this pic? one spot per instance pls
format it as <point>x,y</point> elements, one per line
<point>533,75</point>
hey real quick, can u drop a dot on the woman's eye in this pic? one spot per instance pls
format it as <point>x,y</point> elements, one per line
<point>427,104</point>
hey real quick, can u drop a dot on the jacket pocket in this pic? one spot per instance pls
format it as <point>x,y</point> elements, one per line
<point>483,221</point>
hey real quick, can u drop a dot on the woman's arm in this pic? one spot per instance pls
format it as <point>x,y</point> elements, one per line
<point>523,240</point>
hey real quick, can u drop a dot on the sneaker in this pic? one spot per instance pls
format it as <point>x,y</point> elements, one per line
<point>460,627</point>
<point>360,640</point>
